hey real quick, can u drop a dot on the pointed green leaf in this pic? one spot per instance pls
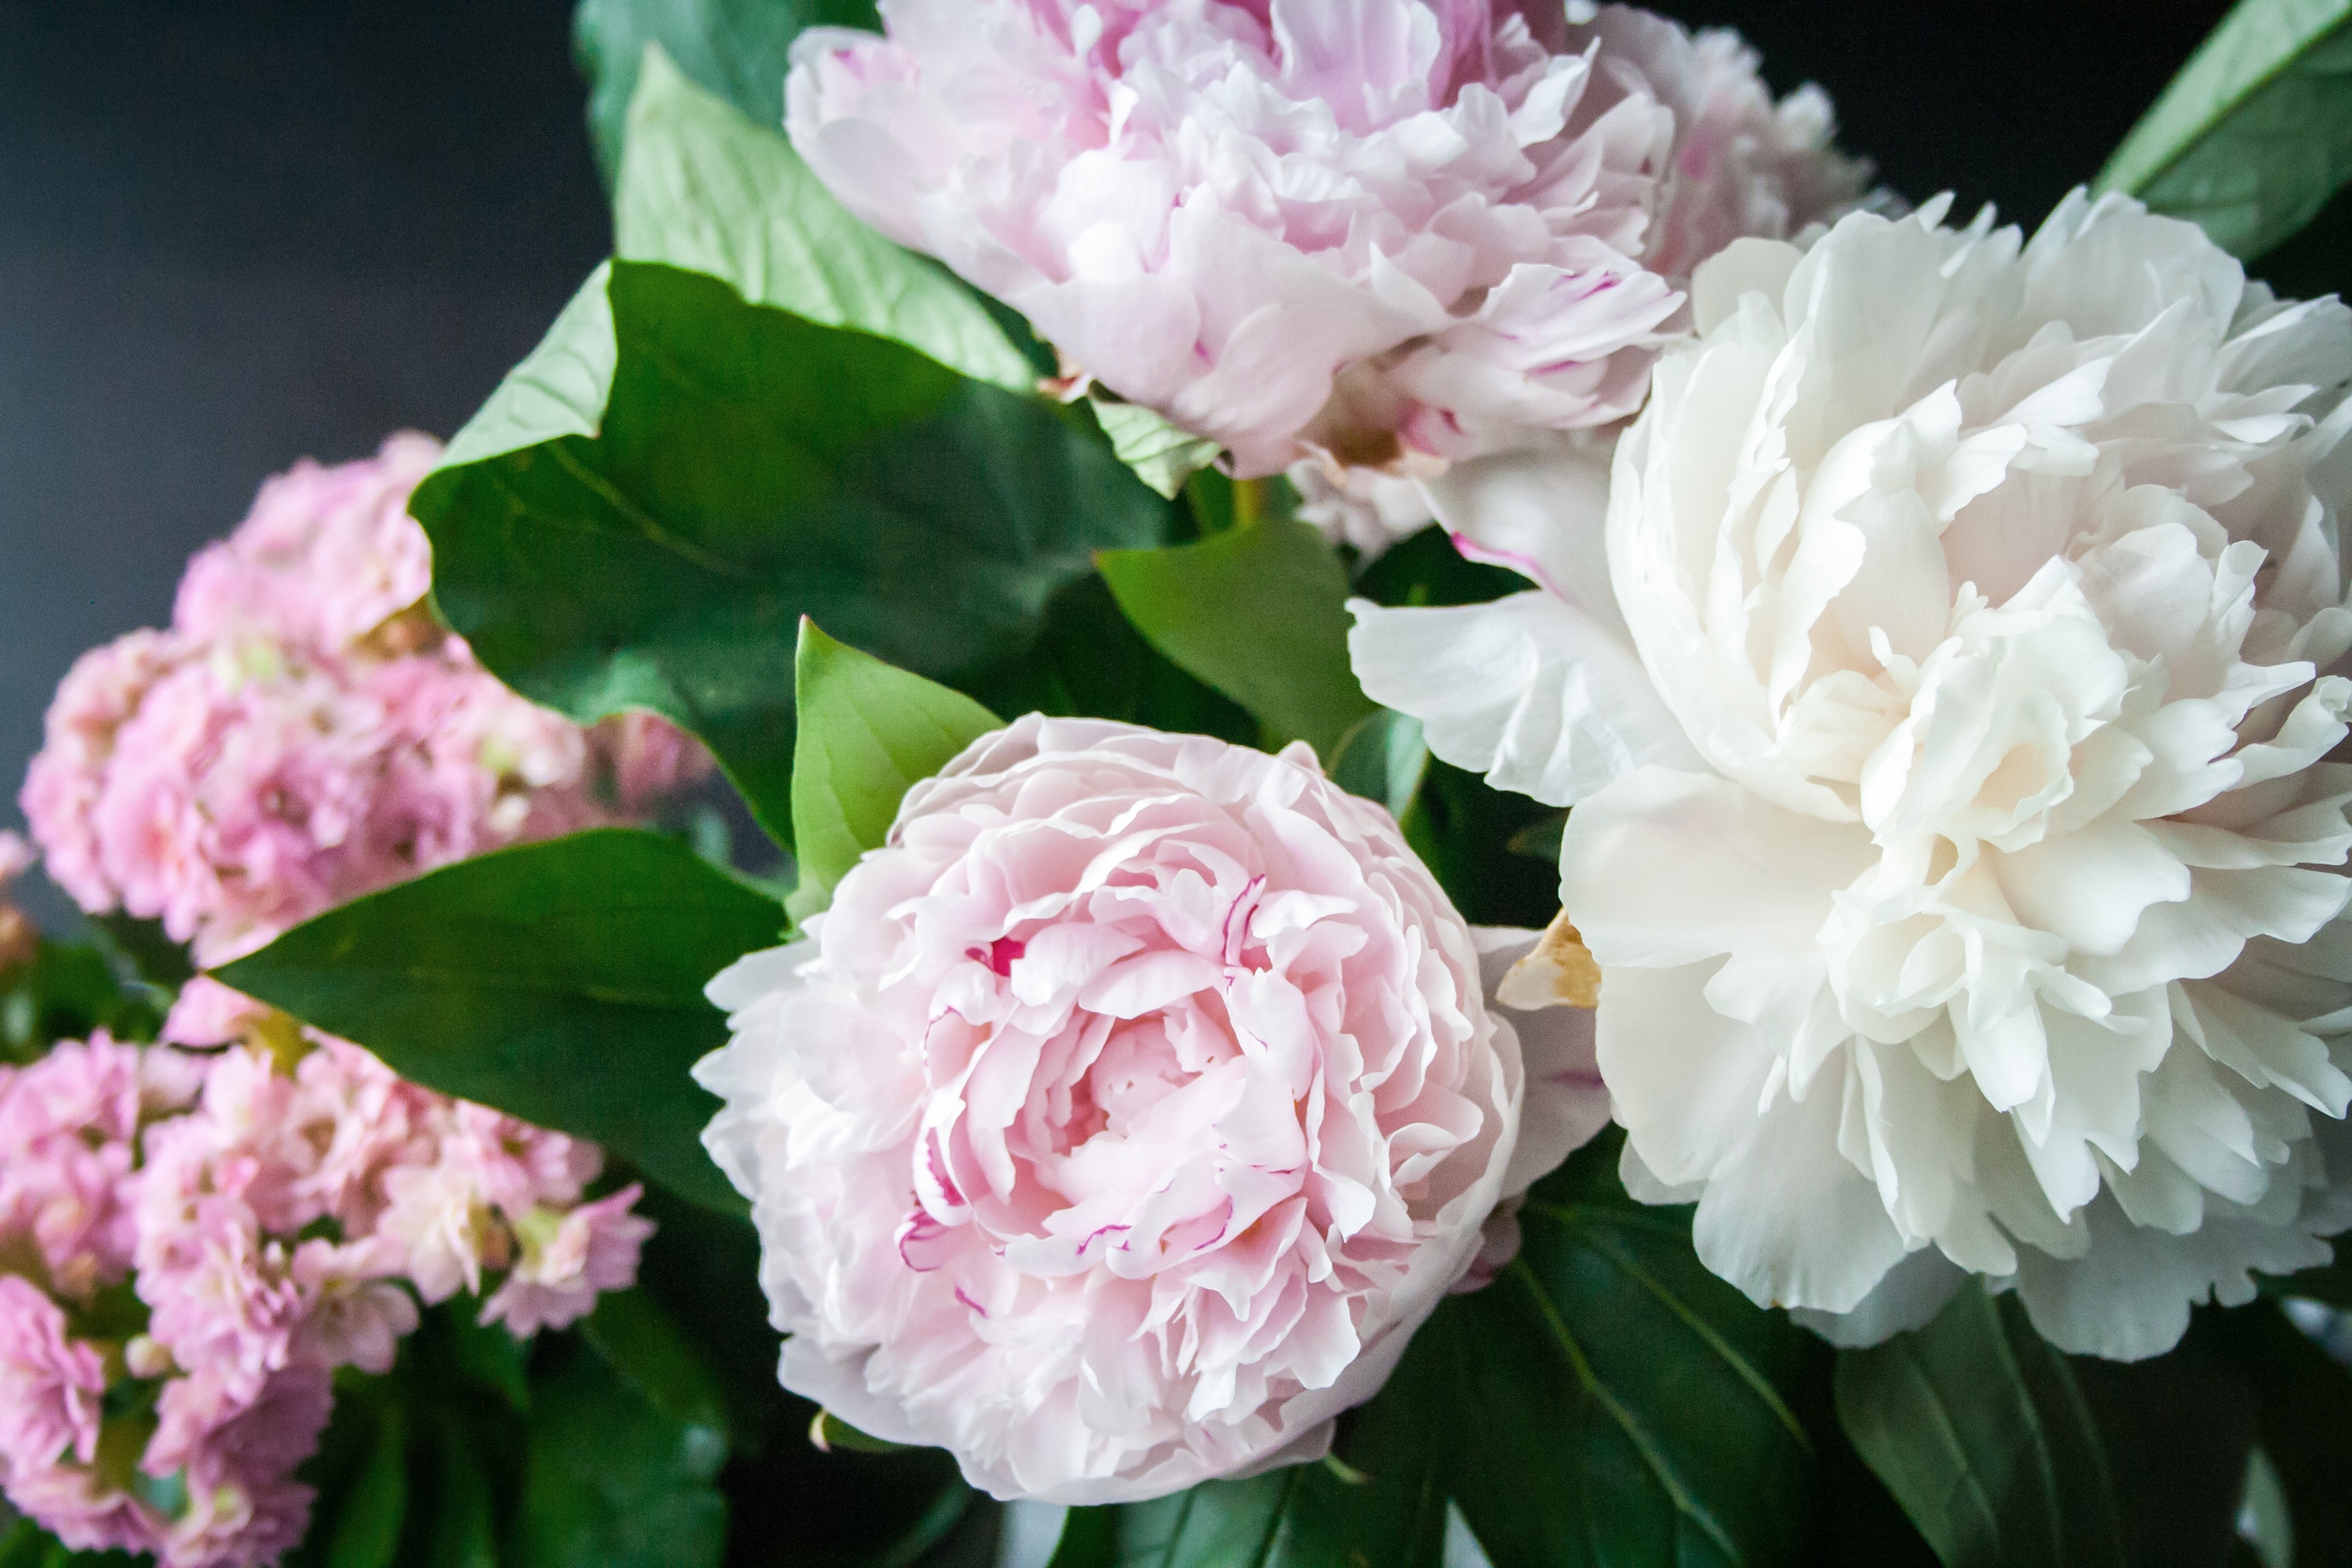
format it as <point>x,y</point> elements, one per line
<point>558,389</point>
<point>1982,1434</point>
<point>560,982</point>
<point>739,49</point>
<point>706,189</point>
<point>868,732</point>
<point>1259,614</point>
<point>2255,134</point>
<point>751,466</point>
<point>1620,1404</point>
<point>1162,455</point>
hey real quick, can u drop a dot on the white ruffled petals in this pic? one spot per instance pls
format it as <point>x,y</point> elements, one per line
<point>1996,916</point>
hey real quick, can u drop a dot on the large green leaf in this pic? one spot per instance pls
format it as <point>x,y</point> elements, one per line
<point>611,1481</point>
<point>868,733</point>
<point>1260,613</point>
<point>560,982</point>
<point>750,468</point>
<point>1617,1403</point>
<point>1982,1434</point>
<point>2255,134</point>
<point>706,189</point>
<point>739,49</point>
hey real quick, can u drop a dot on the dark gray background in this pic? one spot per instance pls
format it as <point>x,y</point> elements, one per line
<point>236,232</point>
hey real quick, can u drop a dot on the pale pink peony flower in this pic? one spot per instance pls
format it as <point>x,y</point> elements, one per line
<point>1362,241</point>
<point>1124,1116</point>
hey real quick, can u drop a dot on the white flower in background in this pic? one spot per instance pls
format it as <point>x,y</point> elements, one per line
<point>1952,823</point>
<point>1359,241</point>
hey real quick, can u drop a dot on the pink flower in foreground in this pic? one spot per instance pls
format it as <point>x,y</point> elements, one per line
<point>1379,237</point>
<point>1125,1114</point>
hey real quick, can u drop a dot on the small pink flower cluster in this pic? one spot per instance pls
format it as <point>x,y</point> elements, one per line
<point>305,733</point>
<point>270,1223</point>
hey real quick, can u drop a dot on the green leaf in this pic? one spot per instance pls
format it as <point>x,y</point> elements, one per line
<point>1302,1516</point>
<point>558,981</point>
<point>754,468</point>
<point>2255,134</point>
<point>1089,660</point>
<point>487,1355</point>
<point>868,733</point>
<point>2302,1397</point>
<point>1982,1434</point>
<point>830,1433</point>
<point>1259,613</point>
<point>1619,1403</point>
<point>463,1532</point>
<point>559,389</point>
<point>66,991</point>
<point>739,49</point>
<point>609,1481</point>
<point>147,947</point>
<point>632,1333</point>
<point>367,1531</point>
<point>1383,758</point>
<point>1161,455</point>
<point>703,188</point>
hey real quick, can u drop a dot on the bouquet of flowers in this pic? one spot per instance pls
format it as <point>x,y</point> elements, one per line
<point>1494,821</point>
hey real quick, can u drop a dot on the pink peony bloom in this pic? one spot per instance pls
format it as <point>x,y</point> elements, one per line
<point>1123,1117</point>
<point>50,1387</point>
<point>1375,238</point>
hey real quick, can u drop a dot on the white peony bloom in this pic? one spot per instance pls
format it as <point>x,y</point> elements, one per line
<point>1953,826</point>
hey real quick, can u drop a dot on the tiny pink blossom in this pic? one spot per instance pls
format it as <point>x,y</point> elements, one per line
<point>594,1248</point>
<point>438,1215</point>
<point>358,1313</point>
<point>50,1387</point>
<point>86,1512</point>
<point>327,555</point>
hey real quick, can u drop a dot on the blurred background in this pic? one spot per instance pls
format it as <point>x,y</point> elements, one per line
<point>233,233</point>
